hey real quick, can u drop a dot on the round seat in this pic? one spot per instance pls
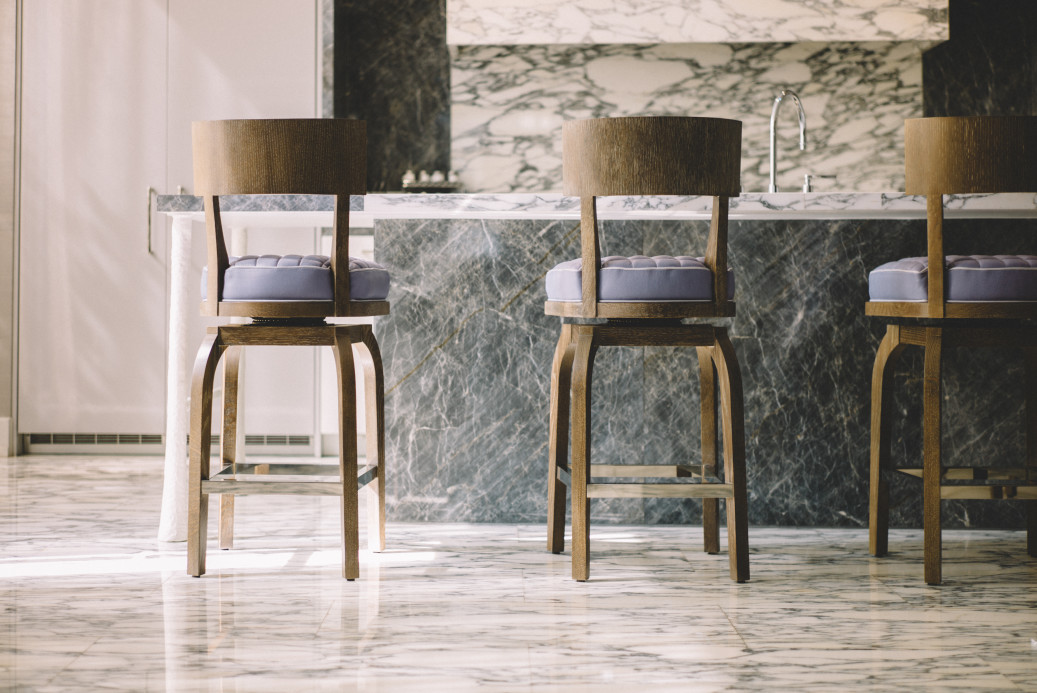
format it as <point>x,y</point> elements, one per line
<point>638,278</point>
<point>968,278</point>
<point>298,278</point>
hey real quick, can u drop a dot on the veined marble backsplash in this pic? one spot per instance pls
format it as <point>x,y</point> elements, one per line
<point>511,22</point>
<point>509,102</point>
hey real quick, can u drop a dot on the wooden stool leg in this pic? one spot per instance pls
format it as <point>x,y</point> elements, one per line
<point>347,462</point>
<point>583,364</point>
<point>710,506</point>
<point>209,354</point>
<point>229,438</point>
<point>881,430</point>
<point>931,466</point>
<point>374,398</point>
<point>730,379</point>
<point>1031,447</point>
<point>558,445</point>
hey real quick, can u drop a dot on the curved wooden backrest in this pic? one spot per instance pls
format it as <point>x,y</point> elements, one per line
<point>312,156</point>
<point>651,156</point>
<point>280,157</point>
<point>976,154</point>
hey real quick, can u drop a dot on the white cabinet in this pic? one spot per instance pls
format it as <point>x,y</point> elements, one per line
<point>110,88</point>
<point>91,297</point>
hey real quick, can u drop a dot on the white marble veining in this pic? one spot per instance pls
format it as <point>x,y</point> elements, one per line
<point>509,22</point>
<point>748,206</point>
<point>91,601</point>
<point>509,103</point>
<point>316,210</point>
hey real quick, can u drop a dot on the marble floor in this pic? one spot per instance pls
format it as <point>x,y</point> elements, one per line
<point>91,601</point>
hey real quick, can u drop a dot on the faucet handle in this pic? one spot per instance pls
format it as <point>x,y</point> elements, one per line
<point>807,178</point>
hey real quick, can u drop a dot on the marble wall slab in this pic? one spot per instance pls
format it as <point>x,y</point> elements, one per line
<point>989,67</point>
<point>392,69</point>
<point>509,102</point>
<point>511,22</point>
<point>468,349</point>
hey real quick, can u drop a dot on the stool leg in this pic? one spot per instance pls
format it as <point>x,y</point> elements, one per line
<point>931,467</point>
<point>374,398</point>
<point>710,506</point>
<point>558,445</point>
<point>886,357</point>
<point>229,438</point>
<point>583,363</point>
<point>1031,447</point>
<point>730,379</point>
<point>343,349</point>
<point>209,354</point>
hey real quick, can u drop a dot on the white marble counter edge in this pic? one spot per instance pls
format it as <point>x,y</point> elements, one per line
<point>762,206</point>
<point>748,206</point>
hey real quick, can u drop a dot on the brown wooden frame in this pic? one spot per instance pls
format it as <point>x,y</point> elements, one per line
<point>277,157</point>
<point>943,156</point>
<point>648,156</point>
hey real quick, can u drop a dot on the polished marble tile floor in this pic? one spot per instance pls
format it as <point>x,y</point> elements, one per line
<point>91,601</point>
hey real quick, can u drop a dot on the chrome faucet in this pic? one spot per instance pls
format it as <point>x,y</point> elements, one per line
<point>774,139</point>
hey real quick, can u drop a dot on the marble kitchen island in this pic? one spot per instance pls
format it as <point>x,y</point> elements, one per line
<point>467,349</point>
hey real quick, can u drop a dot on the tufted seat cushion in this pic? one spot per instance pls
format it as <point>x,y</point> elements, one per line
<point>297,278</point>
<point>638,278</point>
<point>968,278</point>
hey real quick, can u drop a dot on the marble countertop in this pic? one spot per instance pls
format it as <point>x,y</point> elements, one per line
<point>748,206</point>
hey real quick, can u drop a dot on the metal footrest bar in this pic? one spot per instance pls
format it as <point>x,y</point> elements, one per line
<point>1001,474</point>
<point>660,491</point>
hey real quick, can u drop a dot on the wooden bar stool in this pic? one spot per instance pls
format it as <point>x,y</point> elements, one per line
<point>288,299</point>
<point>937,302</point>
<point>643,301</point>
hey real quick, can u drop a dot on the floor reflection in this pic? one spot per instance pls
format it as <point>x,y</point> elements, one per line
<point>91,600</point>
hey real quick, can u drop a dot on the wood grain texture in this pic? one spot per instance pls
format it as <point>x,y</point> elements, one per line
<point>590,257</point>
<point>204,371</point>
<point>716,253</point>
<point>978,154</point>
<point>558,438</point>
<point>729,378</point>
<point>647,156</point>
<point>931,460</point>
<point>633,311</point>
<point>651,156</point>
<point>708,425</point>
<point>980,311</point>
<point>881,426</point>
<point>347,452</point>
<point>934,251</point>
<point>321,156</point>
<point>300,479</point>
<point>370,357</point>
<point>229,440</point>
<point>949,156</point>
<point>582,370</point>
<point>316,156</point>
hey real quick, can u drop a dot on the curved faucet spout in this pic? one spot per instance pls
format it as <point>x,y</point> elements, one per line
<point>774,137</point>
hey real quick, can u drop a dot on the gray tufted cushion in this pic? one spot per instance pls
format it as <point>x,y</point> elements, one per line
<point>297,278</point>
<point>639,278</point>
<point>968,278</point>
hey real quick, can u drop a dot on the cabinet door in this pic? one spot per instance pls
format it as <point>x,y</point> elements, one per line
<point>248,59</point>
<point>91,295</point>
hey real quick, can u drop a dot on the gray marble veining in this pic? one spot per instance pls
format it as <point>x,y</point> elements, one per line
<point>509,103</point>
<point>468,351</point>
<point>508,22</point>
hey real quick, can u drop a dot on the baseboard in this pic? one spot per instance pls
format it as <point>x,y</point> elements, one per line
<point>8,440</point>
